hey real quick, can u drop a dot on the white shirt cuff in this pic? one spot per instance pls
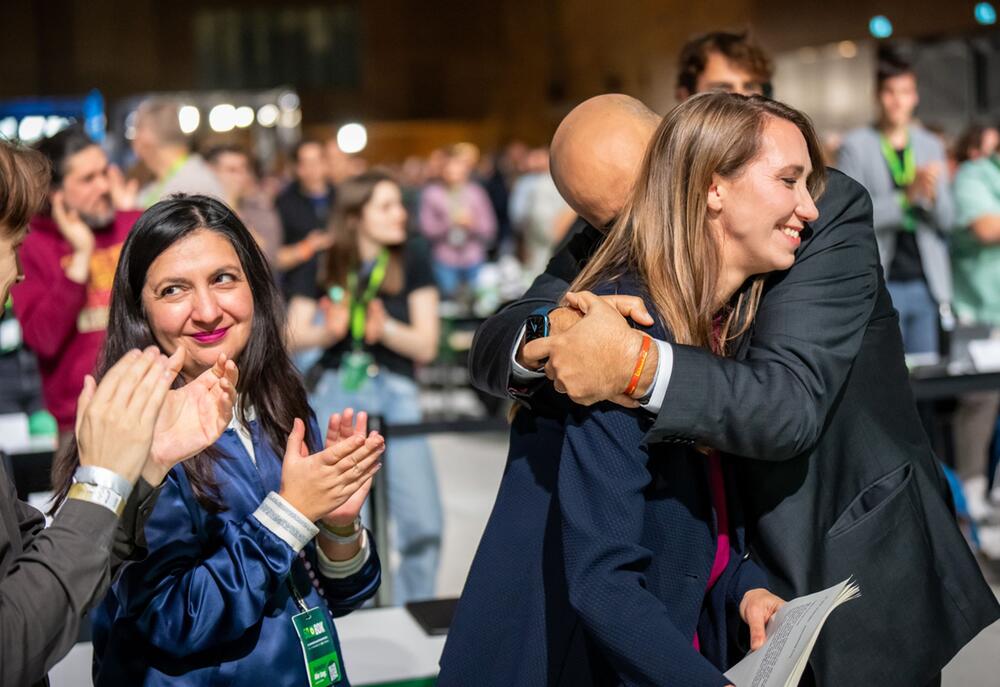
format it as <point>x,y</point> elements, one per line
<point>664,368</point>
<point>519,372</point>
<point>289,525</point>
<point>338,570</point>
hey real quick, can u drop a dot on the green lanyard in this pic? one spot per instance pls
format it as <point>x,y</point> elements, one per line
<point>903,172</point>
<point>360,301</point>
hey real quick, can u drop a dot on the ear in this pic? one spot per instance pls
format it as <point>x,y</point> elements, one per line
<point>716,192</point>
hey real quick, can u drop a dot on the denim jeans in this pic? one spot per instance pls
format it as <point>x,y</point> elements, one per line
<point>414,503</point>
<point>449,278</point>
<point>918,315</point>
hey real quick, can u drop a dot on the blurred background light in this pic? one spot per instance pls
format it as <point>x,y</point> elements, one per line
<point>986,14</point>
<point>352,138</point>
<point>222,118</point>
<point>190,118</point>
<point>8,127</point>
<point>244,116</point>
<point>30,129</point>
<point>267,115</point>
<point>880,26</point>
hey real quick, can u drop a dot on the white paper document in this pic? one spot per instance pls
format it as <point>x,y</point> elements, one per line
<point>791,636</point>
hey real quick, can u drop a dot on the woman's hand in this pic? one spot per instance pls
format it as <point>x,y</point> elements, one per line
<point>336,317</point>
<point>318,484</point>
<point>375,322</point>
<point>341,426</point>
<point>124,193</point>
<point>116,418</point>
<point>756,609</point>
<point>193,417</point>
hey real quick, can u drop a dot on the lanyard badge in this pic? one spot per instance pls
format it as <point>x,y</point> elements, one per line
<point>903,169</point>
<point>358,365</point>
<point>315,633</point>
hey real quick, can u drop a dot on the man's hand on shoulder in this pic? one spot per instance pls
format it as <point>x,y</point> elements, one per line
<point>592,359</point>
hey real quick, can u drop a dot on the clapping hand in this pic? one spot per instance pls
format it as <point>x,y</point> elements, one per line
<point>193,417</point>
<point>342,426</point>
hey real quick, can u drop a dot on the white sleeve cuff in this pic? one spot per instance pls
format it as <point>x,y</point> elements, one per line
<point>664,368</point>
<point>289,525</point>
<point>338,570</point>
<point>519,372</point>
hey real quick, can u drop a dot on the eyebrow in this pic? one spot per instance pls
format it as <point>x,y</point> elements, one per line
<point>187,282</point>
<point>794,169</point>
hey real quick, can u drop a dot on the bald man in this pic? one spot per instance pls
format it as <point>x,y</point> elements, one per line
<point>838,477</point>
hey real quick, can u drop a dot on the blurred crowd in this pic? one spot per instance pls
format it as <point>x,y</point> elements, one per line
<point>370,259</point>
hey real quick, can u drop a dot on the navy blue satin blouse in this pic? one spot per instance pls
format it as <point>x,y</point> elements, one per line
<point>212,603</point>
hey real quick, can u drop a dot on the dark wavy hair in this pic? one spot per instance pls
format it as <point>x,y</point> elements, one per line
<point>268,382</point>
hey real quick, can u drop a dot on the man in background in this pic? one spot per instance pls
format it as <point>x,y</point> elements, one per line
<point>69,260</point>
<point>904,168</point>
<point>304,208</point>
<point>234,168</point>
<point>161,145</point>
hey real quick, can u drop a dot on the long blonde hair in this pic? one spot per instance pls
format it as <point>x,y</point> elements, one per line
<point>662,234</point>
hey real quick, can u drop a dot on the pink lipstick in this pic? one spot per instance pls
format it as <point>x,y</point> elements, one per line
<point>210,337</point>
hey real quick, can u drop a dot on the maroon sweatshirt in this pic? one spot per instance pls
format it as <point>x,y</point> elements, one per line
<point>64,322</point>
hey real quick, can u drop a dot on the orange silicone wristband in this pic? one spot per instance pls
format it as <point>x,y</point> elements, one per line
<point>640,363</point>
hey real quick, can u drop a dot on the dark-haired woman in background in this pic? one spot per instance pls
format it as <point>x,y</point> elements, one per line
<point>380,309</point>
<point>236,579</point>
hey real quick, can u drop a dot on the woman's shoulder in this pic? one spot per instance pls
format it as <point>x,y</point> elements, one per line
<point>629,284</point>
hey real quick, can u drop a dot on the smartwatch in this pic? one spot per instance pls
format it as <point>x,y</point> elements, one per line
<point>537,325</point>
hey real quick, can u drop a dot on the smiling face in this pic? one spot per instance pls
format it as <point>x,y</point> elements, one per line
<point>196,296</point>
<point>761,211</point>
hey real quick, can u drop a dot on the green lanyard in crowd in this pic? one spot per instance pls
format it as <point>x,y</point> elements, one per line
<point>359,302</point>
<point>904,171</point>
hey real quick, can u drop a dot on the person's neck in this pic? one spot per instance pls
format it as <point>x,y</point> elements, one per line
<point>166,160</point>
<point>315,189</point>
<point>897,134</point>
<point>730,281</point>
<point>368,250</point>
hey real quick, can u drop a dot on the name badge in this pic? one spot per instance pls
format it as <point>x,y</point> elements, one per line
<point>315,633</point>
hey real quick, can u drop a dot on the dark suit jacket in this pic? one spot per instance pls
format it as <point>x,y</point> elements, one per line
<point>594,566</point>
<point>51,576</point>
<point>843,480</point>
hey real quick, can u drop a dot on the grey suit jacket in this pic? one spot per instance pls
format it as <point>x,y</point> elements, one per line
<point>51,576</point>
<point>861,158</point>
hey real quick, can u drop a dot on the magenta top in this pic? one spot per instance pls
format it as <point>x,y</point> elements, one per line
<point>717,485</point>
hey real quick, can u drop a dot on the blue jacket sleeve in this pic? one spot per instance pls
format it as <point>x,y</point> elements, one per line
<point>194,592</point>
<point>601,483</point>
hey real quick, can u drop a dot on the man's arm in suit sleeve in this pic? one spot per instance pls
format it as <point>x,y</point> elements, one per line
<point>61,574</point>
<point>808,330</point>
<point>490,360</point>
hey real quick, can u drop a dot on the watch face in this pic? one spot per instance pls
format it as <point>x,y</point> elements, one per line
<point>536,327</point>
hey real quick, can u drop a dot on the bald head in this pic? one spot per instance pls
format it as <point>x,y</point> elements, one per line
<point>596,153</point>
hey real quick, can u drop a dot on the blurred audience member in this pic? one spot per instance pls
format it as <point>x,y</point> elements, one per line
<point>723,61</point>
<point>304,208</point>
<point>380,308</point>
<point>20,382</point>
<point>976,264</point>
<point>977,141</point>
<point>539,214</point>
<point>234,168</point>
<point>341,166</point>
<point>457,218</point>
<point>903,166</point>
<point>69,261</point>
<point>161,145</point>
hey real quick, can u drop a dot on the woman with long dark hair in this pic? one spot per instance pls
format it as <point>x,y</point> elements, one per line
<point>380,306</point>
<point>236,583</point>
<point>608,560</point>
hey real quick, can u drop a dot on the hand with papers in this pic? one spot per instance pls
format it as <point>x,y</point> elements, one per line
<point>791,636</point>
